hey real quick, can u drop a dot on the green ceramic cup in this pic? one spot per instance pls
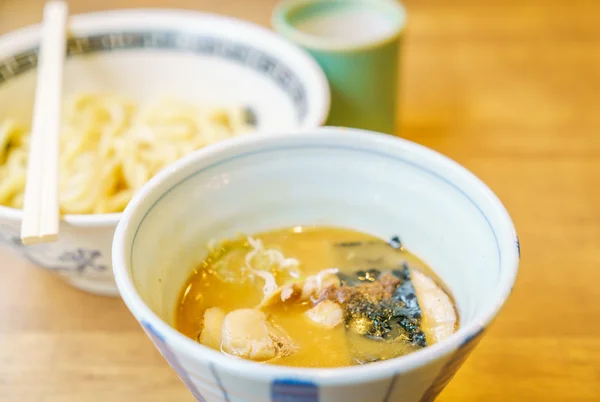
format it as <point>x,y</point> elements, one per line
<point>357,44</point>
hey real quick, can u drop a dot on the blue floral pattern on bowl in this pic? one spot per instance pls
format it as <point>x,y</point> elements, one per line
<point>78,260</point>
<point>83,259</point>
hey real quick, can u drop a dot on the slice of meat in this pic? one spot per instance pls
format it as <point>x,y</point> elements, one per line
<point>327,313</point>
<point>284,293</point>
<point>314,284</point>
<point>211,328</point>
<point>439,317</point>
<point>245,334</point>
<point>283,343</point>
<point>303,290</point>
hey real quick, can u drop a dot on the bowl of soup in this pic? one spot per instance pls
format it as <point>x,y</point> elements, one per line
<point>142,88</point>
<point>326,265</point>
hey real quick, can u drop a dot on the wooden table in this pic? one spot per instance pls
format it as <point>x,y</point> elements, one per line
<point>510,89</point>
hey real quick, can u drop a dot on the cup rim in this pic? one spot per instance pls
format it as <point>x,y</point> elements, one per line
<point>280,20</point>
<point>508,244</point>
<point>21,38</point>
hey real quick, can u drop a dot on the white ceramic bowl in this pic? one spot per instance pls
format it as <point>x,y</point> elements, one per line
<point>330,176</point>
<point>145,54</point>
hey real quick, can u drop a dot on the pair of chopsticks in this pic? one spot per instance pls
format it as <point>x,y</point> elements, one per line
<point>40,210</point>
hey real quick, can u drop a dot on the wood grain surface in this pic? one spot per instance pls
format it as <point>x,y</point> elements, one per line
<point>510,89</point>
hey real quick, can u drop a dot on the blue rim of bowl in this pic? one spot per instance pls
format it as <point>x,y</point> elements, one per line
<point>106,41</point>
<point>336,376</point>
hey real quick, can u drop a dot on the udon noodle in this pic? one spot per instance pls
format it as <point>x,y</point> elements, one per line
<point>110,146</point>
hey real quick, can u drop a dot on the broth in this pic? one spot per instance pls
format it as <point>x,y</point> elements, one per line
<point>312,315</point>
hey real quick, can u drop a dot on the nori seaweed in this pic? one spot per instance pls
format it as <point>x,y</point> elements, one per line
<point>395,243</point>
<point>406,295</point>
<point>395,313</point>
<point>386,318</point>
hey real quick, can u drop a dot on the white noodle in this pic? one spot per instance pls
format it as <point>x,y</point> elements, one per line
<point>110,146</point>
<point>275,257</point>
<point>270,283</point>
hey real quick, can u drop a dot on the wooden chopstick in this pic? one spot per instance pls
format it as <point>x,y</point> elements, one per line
<point>40,210</point>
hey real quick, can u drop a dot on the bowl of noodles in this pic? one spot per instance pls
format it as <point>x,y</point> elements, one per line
<point>142,89</point>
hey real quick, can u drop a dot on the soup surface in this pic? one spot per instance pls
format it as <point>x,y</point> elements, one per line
<point>314,297</point>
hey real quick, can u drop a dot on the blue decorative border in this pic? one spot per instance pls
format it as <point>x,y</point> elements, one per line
<point>293,390</point>
<point>388,393</point>
<point>250,57</point>
<point>215,374</point>
<point>78,260</point>
<point>163,348</point>
<point>451,367</point>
